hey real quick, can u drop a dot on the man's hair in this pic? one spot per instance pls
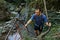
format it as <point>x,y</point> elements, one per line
<point>38,7</point>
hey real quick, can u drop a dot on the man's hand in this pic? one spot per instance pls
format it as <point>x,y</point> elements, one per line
<point>49,24</point>
<point>27,23</point>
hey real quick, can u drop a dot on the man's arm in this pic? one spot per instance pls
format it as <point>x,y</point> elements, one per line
<point>29,21</point>
<point>46,21</point>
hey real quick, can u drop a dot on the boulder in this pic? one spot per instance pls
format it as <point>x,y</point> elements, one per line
<point>4,13</point>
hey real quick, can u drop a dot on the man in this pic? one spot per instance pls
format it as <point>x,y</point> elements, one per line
<point>39,19</point>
